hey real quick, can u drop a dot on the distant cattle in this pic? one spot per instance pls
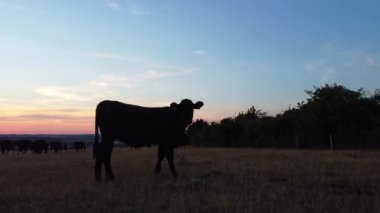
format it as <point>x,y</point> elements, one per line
<point>79,146</point>
<point>22,145</point>
<point>140,126</point>
<point>56,146</point>
<point>39,146</point>
<point>7,146</point>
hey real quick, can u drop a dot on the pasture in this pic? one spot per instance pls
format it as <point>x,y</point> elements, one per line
<point>209,180</point>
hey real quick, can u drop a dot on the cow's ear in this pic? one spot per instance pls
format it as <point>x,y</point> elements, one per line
<point>174,105</point>
<point>198,105</point>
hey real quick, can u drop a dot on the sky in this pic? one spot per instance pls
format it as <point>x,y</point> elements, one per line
<point>59,58</point>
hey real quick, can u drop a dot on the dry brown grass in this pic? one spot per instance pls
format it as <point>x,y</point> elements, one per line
<point>210,180</point>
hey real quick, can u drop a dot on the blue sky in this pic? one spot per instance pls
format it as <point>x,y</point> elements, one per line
<point>58,59</point>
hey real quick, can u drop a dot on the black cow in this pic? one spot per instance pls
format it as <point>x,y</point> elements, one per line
<point>7,146</point>
<point>56,146</point>
<point>39,146</point>
<point>23,145</point>
<point>79,146</point>
<point>140,126</point>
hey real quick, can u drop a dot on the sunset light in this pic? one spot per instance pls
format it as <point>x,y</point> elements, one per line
<point>190,106</point>
<point>59,59</point>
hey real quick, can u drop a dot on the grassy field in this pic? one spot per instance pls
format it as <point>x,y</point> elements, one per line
<point>210,180</point>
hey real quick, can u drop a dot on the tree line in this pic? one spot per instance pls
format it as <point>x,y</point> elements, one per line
<point>332,116</point>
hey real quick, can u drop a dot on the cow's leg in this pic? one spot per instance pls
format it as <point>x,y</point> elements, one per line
<point>170,158</point>
<point>107,159</point>
<point>161,156</point>
<point>98,161</point>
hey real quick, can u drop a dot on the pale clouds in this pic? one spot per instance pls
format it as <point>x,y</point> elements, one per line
<point>142,62</point>
<point>107,80</point>
<point>114,5</point>
<point>132,7</point>
<point>19,8</point>
<point>373,61</point>
<point>335,61</point>
<point>103,86</point>
<point>328,76</point>
<point>64,93</point>
<point>349,57</point>
<point>199,52</point>
<point>114,80</point>
<point>110,56</point>
<point>149,74</point>
<point>137,9</point>
<point>13,39</point>
<point>147,70</point>
<point>69,94</point>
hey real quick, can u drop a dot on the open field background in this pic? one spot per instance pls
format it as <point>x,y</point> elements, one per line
<point>210,180</point>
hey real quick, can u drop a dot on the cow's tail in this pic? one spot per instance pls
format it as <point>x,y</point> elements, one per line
<point>96,141</point>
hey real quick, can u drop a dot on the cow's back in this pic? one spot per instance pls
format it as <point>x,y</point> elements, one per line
<point>133,124</point>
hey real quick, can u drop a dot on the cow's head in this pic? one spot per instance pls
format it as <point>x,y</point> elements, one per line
<point>186,110</point>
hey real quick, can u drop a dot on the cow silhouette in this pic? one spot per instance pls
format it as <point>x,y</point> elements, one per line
<point>7,146</point>
<point>140,126</point>
<point>23,146</point>
<point>39,146</point>
<point>56,146</point>
<point>79,146</point>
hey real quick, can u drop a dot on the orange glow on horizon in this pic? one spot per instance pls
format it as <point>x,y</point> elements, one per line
<point>47,127</point>
<point>30,120</point>
<point>41,128</point>
<point>79,124</point>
